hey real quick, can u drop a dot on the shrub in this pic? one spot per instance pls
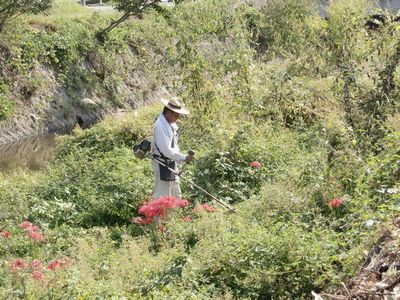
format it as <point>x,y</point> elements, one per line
<point>31,262</point>
<point>280,260</point>
<point>284,27</point>
<point>6,105</point>
<point>229,173</point>
<point>11,8</point>
<point>13,197</point>
<point>82,190</point>
<point>109,134</point>
<point>378,194</point>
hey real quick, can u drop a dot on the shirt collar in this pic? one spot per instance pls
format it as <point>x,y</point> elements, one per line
<point>165,121</point>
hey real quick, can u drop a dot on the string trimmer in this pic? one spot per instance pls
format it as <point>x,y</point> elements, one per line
<point>142,151</point>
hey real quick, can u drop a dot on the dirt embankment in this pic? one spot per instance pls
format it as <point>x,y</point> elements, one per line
<point>379,276</point>
<point>50,108</point>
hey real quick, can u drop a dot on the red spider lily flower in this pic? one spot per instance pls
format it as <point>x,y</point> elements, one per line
<point>25,225</point>
<point>255,164</point>
<point>28,226</point>
<point>18,264</point>
<point>65,262</point>
<point>54,264</point>
<point>335,203</point>
<point>159,207</point>
<point>36,264</point>
<point>151,210</point>
<point>33,228</point>
<point>35,235</point>
<point>5,234</point>
<point>204,207</point>
<point>32,231</point>
<point>186,219</point>
<point>182,203</point>
<point>142,221</point>
<point>37,275</point>
<point>154,210</point>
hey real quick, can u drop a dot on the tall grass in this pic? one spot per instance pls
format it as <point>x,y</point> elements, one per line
<point>282,107</point>
<point>69,9</point>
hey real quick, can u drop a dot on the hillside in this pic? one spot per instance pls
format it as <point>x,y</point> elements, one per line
<point>295,122</point>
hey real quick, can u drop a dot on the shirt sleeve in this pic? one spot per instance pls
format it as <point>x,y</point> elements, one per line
<point>163,140</point>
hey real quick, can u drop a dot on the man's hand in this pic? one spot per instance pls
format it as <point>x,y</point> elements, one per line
<point>190,156</point>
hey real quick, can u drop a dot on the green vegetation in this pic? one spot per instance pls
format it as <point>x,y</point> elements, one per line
<point>294,122</point>
<point>129,8</point>
<point>10,9</point>
<point>6,105</point>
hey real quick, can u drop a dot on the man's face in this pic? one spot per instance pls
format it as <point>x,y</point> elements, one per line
<point>172,116</point>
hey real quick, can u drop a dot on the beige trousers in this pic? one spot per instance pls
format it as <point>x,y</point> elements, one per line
<point>165,188</point>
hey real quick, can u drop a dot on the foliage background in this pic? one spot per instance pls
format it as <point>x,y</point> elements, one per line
<point>312,99</point>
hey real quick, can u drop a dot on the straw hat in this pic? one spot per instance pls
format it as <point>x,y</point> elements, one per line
<point>174,104</point>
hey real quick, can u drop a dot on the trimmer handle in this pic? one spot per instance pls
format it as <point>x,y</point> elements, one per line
<point>190,152</point>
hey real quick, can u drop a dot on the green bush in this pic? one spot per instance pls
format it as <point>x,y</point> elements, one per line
<point>10,9</point>
<point>110,133</point>
<point>378,194</point>
<point>82,190</point>
<point>284,28</point>
<point>6,105</point>
<point>35,261</point>
<point>95,179</point>
<point>14,205</point>
<point>284,240</point>
<point>280,260</point>
<point>228,173</point>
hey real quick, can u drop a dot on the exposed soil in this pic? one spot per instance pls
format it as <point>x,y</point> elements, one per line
<point>379,276</point>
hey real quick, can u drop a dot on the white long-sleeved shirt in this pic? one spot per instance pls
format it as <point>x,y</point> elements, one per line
<point>163,133</point>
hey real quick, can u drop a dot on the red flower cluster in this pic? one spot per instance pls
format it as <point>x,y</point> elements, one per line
<point>54,264</point>
<point>18,264</point>
<point>36,264</point>
<point>158,208</point>
<point>5,234</point>
<point>255,164</point>
<point>63,263</point>
<point>142,221</point>
<point>204,207</point>
<point>37,275</point>
<point>186,219</point>
<point>335,203</point>
<point>36,267</point>
<point>32,231</point>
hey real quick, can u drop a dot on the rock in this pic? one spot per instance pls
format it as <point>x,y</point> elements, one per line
<point>316,296</point>
<point>371,222</point>
<point>88,102</point>
<point>380,286</point>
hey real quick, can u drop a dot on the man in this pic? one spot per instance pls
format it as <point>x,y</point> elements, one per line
<point>165,149</point>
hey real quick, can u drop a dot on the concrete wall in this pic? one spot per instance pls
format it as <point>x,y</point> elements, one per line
<point>393,5</point>
<point>390,5</point>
